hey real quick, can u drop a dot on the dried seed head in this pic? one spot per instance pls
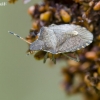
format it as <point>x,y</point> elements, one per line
<point>87,81</point>
<point>12,1</point>
<point>73,63</point>
<point>41,8</point>
<point>45,16</point>
<point>36,25</point>
<point>95,75</point>
<point>31,10</point>
<point>91,28</point>
<point>65,16</point>
<point>85,66</point>
<point>97,6</point>
<point>91,55</point>
<point>98,86</point>
<point>91,3</point>
<point>77,1</point>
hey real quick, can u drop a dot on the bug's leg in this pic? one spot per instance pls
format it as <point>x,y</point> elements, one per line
<point>65,54</point>
<point>28,53</point>
<point>75,59</point>
<point>45,57</point>
<point>53,59</point>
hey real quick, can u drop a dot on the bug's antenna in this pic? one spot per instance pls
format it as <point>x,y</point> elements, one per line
<point>19,37</point>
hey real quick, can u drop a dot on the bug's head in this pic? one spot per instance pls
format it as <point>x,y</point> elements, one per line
<point>36,45</point>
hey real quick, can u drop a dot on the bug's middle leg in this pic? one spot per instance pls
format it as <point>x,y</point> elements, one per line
<point>53,59</point>
<point>45,57</point>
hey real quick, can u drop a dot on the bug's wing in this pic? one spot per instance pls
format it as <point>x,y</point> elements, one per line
<point>72,44</point>
<point>83,39</point>
<point>62,32</point>
<point>48,37</point>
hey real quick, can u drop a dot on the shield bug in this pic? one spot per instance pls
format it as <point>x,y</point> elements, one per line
<point>63,38</point>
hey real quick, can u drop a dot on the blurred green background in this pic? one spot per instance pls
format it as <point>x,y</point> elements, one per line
<point>22,77</point>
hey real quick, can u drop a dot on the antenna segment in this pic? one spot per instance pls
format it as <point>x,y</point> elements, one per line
<point>19,37</point>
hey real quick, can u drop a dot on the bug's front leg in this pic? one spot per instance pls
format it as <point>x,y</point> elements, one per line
<point>45,57</point>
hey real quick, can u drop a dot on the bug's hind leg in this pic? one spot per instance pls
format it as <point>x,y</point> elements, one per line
<point>75,59</point>
<point>53,59</point>
<point>45,57</point>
